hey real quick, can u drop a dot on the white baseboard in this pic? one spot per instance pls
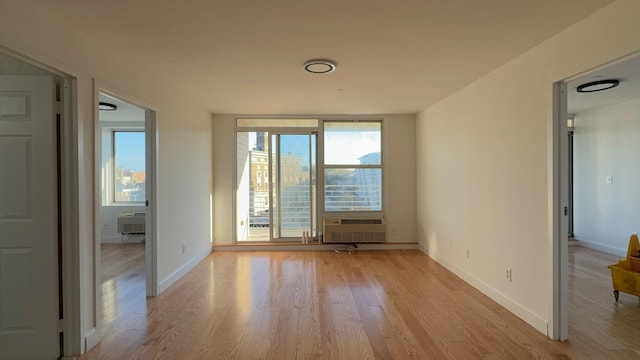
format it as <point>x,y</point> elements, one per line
<point>181,271</point>
<point>118,239</point>
<point>313,247</point>
<point>91,339</point>
<point>423,248</point>
<point>604,248</point>
<point>521,311</point>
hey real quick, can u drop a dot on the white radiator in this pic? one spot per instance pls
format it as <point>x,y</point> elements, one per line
<point>131,222</point>
<point>354,230</point>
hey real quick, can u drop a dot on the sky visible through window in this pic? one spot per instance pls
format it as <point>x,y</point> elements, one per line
<point>130,150</point>
<point>129,171</point>
<point>351,143</point>
<point>346,148</point>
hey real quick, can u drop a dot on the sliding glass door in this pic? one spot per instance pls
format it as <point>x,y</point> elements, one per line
<point>276,186</point>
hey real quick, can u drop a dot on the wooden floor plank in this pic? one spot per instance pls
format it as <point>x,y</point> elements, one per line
<point>368,305</point>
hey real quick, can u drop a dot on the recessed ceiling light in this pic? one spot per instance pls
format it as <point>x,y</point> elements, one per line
<point>320,66</point>
<point>107,106</point>
<point>599,85</point>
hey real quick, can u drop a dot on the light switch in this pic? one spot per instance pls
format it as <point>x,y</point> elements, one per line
<point>609,179</point>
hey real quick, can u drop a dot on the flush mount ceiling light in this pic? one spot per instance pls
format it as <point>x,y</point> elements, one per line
<point>599,85</point>
<point>319,66</point>
<point>107,106</point>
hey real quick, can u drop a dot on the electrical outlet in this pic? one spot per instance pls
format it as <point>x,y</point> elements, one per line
<point>105,226</point>
<point>508,272</point>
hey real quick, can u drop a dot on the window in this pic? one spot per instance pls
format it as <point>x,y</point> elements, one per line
<point>129,166</point>
<point>353,166</point>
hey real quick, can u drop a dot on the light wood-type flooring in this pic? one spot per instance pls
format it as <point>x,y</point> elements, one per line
<point>597,324</point>
<point>368,305</point>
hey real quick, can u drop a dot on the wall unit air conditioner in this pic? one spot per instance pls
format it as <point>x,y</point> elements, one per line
<point>131,222</point>
<point>354,230</point>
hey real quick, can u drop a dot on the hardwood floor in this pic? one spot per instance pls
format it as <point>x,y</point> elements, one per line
<point>597,324</point>
<point>368,305</point>
<point>123,285</point>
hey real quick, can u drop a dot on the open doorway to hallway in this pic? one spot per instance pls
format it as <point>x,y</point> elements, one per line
<point>603,173</point>
<point>125,210</point>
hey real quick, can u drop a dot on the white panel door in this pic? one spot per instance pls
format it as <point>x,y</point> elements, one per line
<point>28,219</point>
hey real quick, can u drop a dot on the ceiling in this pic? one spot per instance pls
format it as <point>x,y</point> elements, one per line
<point>124,112</point>
<point>246,56</point>
<point>627,71</point>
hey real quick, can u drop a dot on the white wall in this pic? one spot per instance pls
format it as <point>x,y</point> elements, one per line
<point>184,142</point>
<point>607,143</point>
<point>400,201</point>
<point>399,175</point>
<point>484,158</point>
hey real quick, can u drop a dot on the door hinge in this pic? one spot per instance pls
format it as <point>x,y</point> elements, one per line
<point>61,325</point>
<point>58,108</point>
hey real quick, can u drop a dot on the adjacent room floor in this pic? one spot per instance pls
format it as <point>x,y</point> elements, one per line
<point>597,323</point>
<point>123,286</point>
<point>374,304</point>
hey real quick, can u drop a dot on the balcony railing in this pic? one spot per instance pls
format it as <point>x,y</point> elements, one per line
<point>353,197</point>
<point>293,211</point>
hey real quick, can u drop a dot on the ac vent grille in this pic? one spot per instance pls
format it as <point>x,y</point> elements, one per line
<point>371,230</point>
<point>131,222</point>
<point>361,221</point>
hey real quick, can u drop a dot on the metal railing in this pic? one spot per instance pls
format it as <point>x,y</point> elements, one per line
<point>353,197</point>
<point>293,211</point>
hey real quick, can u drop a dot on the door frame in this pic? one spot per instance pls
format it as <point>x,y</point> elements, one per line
<point>151,263</point>
<point>559,324</point>
<point>559,312</point>
<point>271,130</point>
<point>69,200</point>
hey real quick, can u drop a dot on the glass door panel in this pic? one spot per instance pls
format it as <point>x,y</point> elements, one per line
<point>252,186</point>
<point>293,204</point>
<point>276,186</point>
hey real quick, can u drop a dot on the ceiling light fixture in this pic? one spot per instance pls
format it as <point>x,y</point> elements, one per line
<point>107,106</point>
<point>320,66</point>
<point>599,85</point>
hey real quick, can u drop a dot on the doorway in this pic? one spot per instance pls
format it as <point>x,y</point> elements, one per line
<point>125,210</point>
<point>276,200</point>
<point>596,189</point>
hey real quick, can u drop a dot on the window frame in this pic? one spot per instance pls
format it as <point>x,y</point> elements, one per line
<point>114,162</point>
<point>322,166</point>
